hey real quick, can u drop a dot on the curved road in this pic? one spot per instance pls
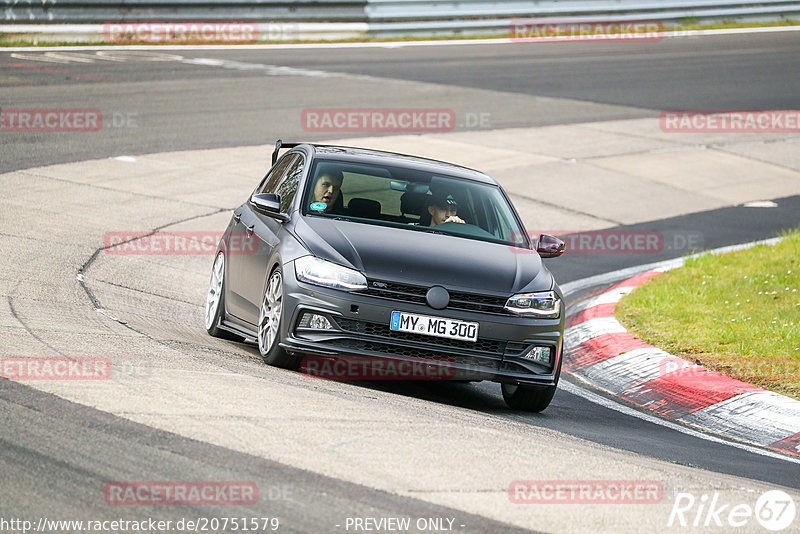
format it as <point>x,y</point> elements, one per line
<point>187,407</point>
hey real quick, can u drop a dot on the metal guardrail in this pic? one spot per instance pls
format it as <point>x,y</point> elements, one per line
<point>96,11</point>
<point>337,19</point>
<point>442,9</point>
<point>388,19</point>
<point>101,11</point>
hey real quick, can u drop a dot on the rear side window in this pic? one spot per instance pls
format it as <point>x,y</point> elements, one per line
<point>272,180</point>
<point>287,188</point>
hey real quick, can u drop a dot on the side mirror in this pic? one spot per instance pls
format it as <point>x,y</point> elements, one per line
<point>550,246</point>
<point>270,204</point>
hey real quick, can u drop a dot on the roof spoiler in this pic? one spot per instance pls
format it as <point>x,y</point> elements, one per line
<point>279,145</point>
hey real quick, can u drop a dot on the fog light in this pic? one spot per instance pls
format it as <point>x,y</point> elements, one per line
<point>539,355</point>
<point>315,321</point>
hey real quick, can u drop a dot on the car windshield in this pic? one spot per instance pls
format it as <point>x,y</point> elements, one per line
<point>411,199</point>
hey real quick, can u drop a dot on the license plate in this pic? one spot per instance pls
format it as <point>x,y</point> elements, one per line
<point>434,326</point>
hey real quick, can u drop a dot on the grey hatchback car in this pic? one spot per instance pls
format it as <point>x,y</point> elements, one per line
<point>359,264</point>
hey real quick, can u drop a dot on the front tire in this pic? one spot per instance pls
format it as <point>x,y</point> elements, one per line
<point>527,398</point>
<point>215,301</point>
<point>270,318</point>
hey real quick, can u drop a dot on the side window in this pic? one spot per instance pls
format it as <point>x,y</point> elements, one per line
<point>287,189</point>
<point>271,183</point>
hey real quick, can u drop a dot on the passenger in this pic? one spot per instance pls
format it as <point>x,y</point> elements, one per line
<point>443,208</point>
<point>328,187</point>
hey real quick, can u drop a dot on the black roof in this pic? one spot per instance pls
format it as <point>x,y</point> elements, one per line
<point>365,155</point>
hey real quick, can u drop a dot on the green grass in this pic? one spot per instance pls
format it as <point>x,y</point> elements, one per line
<point>736,313</point>
<point>686,25</point>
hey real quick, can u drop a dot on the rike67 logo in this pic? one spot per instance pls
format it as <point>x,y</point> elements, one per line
<point>774,510</point>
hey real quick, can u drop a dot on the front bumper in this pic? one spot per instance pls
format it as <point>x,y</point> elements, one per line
<point>361,330</point>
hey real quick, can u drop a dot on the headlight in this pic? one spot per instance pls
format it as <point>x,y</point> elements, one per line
<point>545,304</point>
<point>324,273</point>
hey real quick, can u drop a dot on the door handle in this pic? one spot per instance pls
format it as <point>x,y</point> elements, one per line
<point>249,230</point>
<point>237,216</point>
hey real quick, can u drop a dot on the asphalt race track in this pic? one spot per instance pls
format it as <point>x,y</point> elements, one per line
<point>187,407</point>
<point>180,103</point>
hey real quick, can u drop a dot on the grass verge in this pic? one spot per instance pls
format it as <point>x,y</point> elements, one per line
<point>736,313</point>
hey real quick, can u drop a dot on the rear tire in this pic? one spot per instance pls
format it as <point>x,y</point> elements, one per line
<point>215,301</point>
<point>270,319</point>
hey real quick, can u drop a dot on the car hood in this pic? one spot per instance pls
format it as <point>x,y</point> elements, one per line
<point>423,258</point>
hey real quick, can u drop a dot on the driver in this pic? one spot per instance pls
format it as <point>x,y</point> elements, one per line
<point>443,208</point>
<point>328,187</point>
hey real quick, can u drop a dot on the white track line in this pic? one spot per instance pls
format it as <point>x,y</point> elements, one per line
<point>582,392</point>
<point>582,332</point>
<point>377,44</point>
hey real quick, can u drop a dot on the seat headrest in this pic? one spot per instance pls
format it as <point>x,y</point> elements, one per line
<point>413,203</point>
<point>364,207</point>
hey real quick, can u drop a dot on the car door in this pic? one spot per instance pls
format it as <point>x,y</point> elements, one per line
<point>264,231</point>
<point>243,245</point>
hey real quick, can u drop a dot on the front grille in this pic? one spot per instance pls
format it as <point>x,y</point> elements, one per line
<point>396,291</point>
<point>483,345</point>
<point>391,349</point>
<point>482,365</point>
<point>480,303</point>
<point>416,294</point>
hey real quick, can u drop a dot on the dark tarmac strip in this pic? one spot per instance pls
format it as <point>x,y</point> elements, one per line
<point>47,475</point>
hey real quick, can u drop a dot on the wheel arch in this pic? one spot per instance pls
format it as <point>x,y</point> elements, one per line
<point>274,262</point>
